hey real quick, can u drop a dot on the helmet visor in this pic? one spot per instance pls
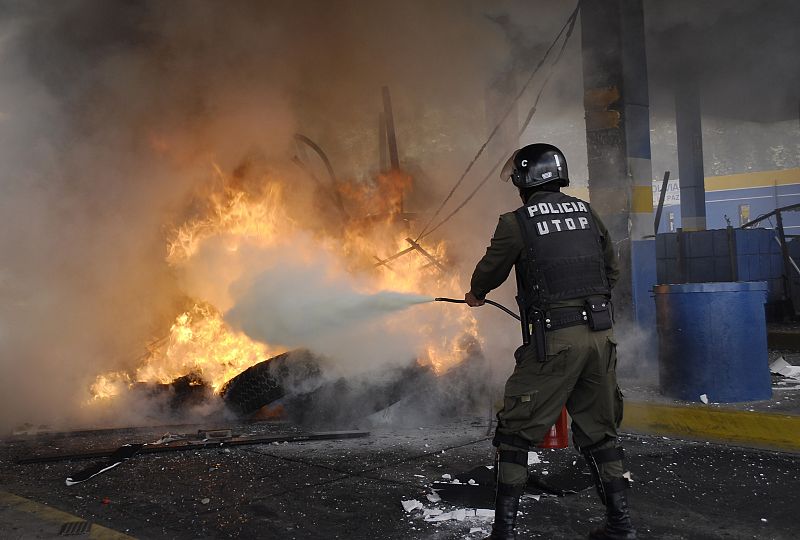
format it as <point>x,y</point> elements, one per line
<point>508,168</point>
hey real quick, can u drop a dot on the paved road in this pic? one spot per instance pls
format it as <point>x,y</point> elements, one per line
<point>354,488</point>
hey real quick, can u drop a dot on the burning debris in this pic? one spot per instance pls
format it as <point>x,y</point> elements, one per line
<point>262,281</point>
<point>295,386</point>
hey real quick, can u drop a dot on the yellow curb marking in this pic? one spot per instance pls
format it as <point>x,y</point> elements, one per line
<point>757,429</point>
<point>57,517</point>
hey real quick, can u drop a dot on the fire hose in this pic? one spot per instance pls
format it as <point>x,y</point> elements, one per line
<point>490,302</point>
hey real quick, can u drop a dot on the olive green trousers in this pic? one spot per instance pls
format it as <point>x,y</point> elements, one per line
<point>579,371</point>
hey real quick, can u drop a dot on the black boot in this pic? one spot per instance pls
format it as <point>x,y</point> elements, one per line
<point>618,519</point>
<point>505,517</point>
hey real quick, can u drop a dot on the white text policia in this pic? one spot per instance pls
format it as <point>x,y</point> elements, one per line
<point>569,224</point>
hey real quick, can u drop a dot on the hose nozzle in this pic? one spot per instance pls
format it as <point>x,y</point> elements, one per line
<point>490,302</point>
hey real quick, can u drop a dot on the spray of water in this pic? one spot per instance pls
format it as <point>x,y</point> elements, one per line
<point>291,317</point>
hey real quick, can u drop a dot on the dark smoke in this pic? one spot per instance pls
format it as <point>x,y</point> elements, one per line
<point>743,56</point>
<point>113,112</point>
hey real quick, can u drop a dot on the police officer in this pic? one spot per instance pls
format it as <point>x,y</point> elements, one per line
<point>565,269</point>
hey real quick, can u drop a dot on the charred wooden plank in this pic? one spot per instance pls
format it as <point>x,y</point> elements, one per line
<point>200,445</point>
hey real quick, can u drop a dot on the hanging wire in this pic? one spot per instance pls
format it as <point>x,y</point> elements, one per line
<point>528,118</point>
<point>567,27</point>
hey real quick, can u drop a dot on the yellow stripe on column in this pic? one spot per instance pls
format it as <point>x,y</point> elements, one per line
<point>642,199</point>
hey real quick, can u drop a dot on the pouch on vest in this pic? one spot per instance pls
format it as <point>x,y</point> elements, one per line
<point>598,309</point>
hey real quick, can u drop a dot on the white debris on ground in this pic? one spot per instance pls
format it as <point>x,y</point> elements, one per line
<point>628,476</point>
<point>441,513</point>
<point>782,367</point>
<point>789,375</point>
<point>704,398</point>
<point>433,514</point>
<point>533,458</point>
<point>410,506</point>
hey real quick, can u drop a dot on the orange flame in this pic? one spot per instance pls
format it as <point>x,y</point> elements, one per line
<point>200,342</point>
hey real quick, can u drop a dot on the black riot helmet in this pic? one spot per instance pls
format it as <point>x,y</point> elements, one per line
<point>536,164</point>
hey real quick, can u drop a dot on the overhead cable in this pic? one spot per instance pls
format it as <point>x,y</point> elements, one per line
<point>567,27</point>
<point>570,26</point>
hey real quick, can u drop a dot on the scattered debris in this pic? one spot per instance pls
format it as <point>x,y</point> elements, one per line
<point>473,489</point>
<point>628,476</point>
<point>205,500</point>
<point>704,398</point>
<point>210,434</point>
<point>782,367</point>
<point>410,506</point>
<point>460,514</point>
<point>431,512</point>
<point>121,455</point>
<point>187,443</point>
<point>210,439</point>
<point>533,458</point>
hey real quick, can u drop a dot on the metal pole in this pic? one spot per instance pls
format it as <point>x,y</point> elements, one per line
<point>383,163</point>
<point>787,276</point>
<point>394,158</point>
<point>661,199</point>
<point>681,256</point>
<point>732,253</point>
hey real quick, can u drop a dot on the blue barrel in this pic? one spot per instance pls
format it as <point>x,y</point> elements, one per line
<point>712,340</point>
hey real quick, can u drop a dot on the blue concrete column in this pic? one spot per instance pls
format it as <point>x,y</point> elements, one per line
<point>616,101</point>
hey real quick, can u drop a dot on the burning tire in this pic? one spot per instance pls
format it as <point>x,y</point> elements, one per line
<point>339,403</point>
<point>267,381</point>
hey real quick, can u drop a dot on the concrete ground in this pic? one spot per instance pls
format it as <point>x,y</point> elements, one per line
<point>354,488</point>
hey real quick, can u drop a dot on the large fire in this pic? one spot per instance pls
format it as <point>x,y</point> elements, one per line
<point>371,228</point>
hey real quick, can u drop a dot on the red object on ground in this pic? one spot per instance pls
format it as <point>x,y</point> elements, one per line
<point>105,500</point>
<point>558,436</point>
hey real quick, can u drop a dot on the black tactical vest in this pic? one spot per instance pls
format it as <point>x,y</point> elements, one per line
<point>563,259</point>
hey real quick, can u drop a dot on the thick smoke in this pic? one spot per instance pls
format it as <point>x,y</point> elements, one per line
<point>113,113</point>
<point>742,56</point>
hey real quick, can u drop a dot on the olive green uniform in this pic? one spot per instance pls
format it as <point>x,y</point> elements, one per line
<point>579,370</point>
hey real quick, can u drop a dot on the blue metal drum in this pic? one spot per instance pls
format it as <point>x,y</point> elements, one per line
<point>712,340</point>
